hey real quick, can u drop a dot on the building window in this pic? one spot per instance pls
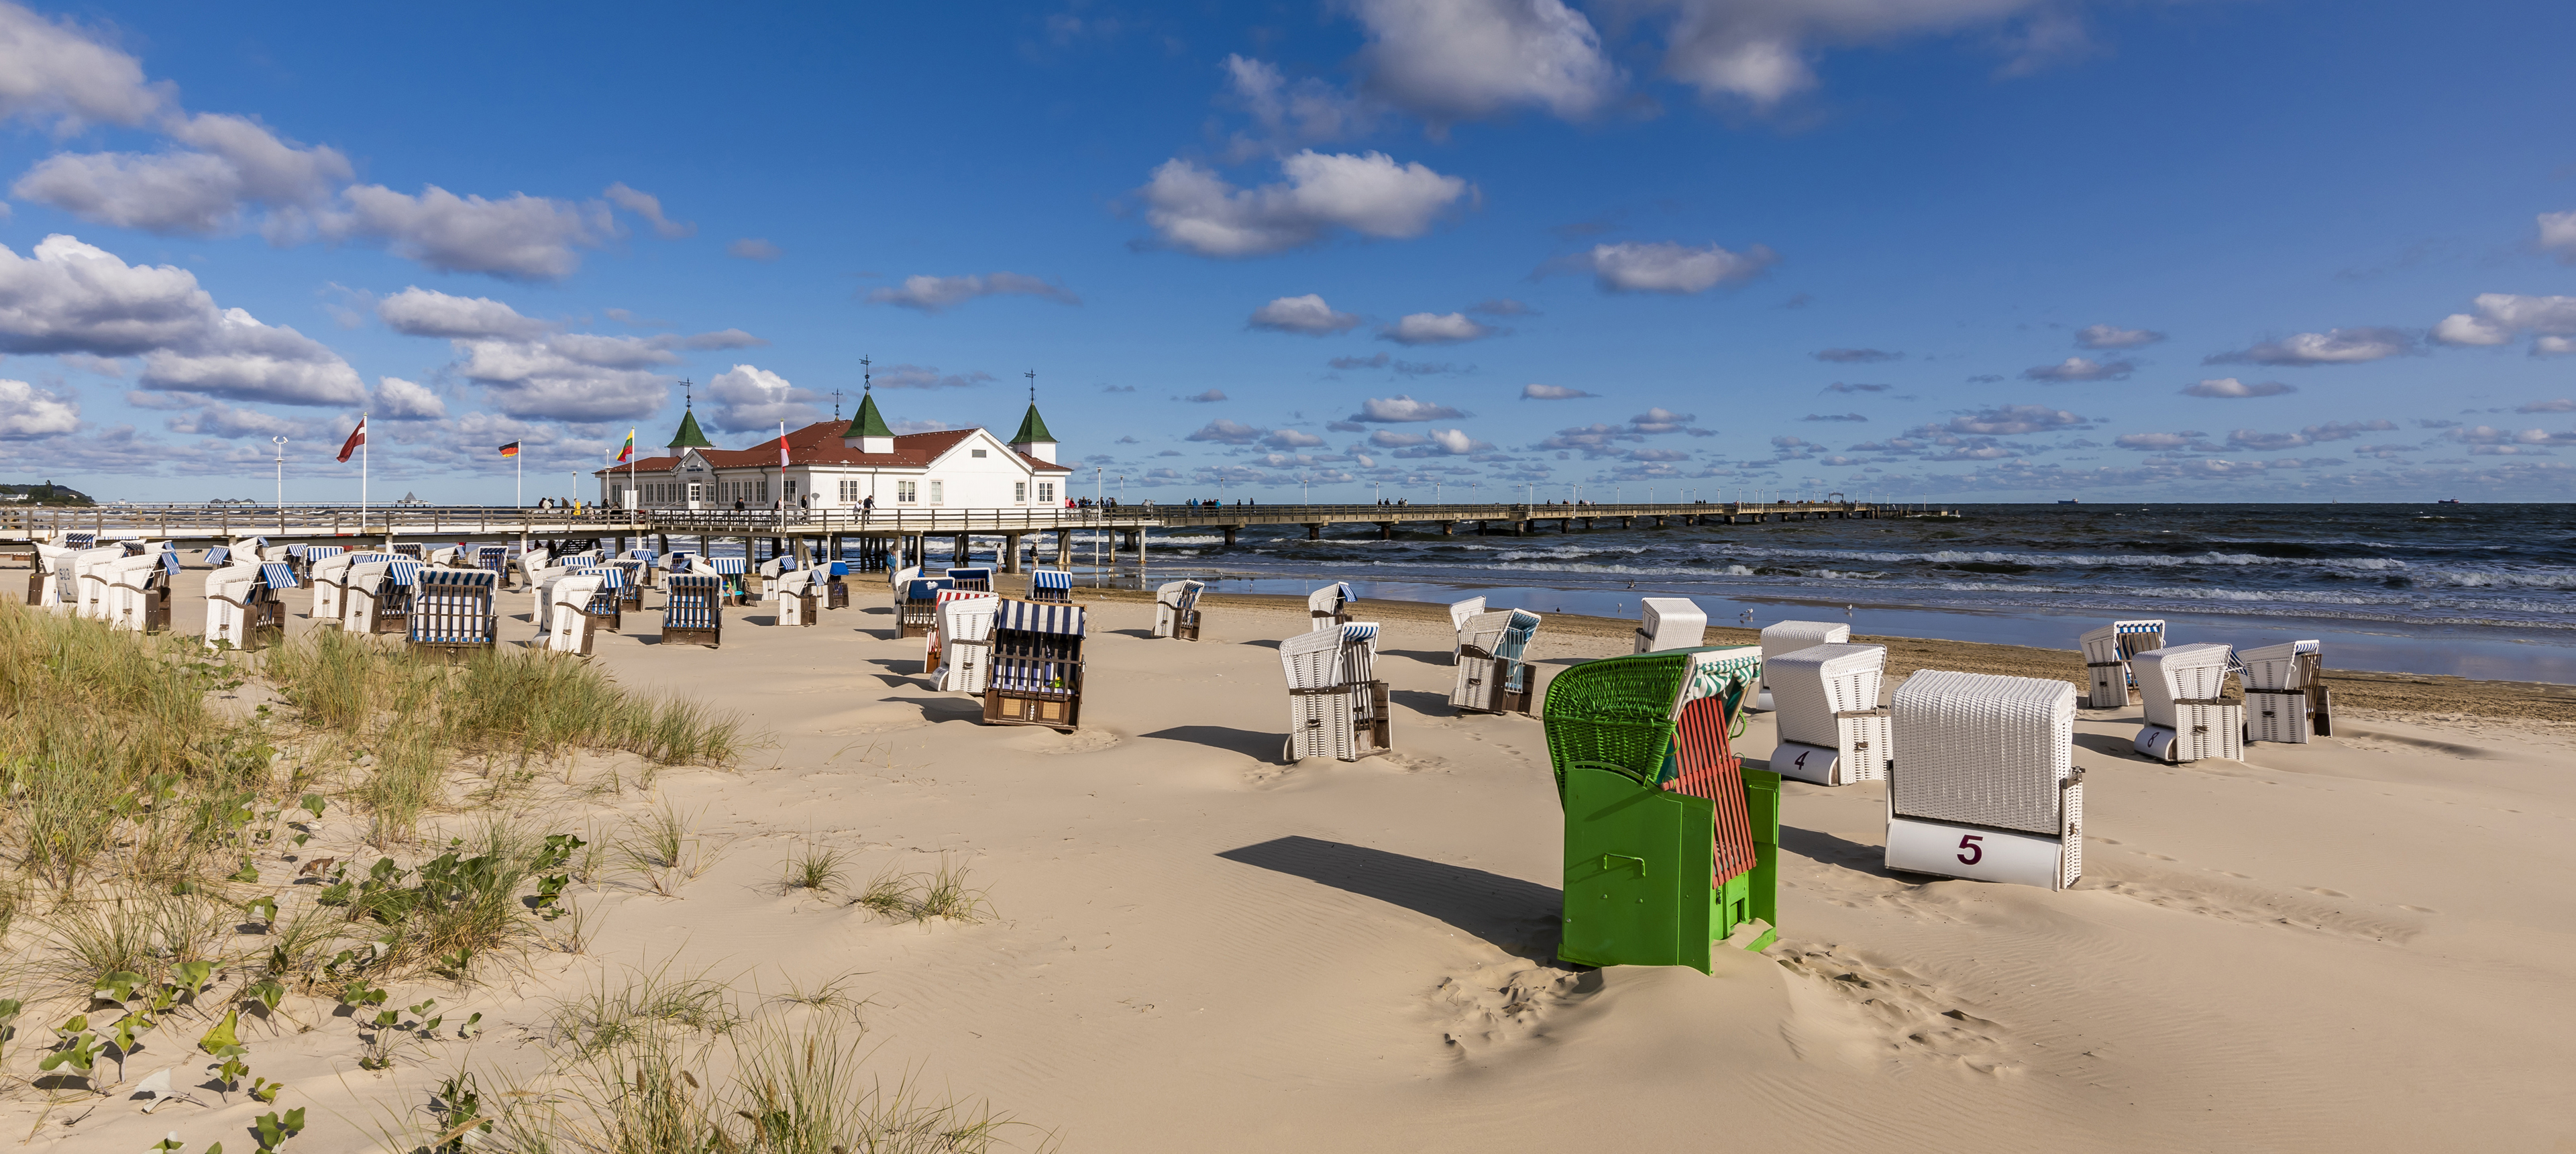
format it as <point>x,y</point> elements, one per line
<point>1046,492</point>
<point>978,452</point>
<point>763,498</point>
<point>934,491</point>
<point>790,484</point>
<point>903,492</point>
<point>1020,492</point>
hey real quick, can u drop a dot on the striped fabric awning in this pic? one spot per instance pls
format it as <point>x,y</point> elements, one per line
<point>927,588</point>
<point>2140,626</point>
<point>79,540</point>
<point>1358,632</point>
<point>1039,617</point>
<point>976,574</point>
<point>278,575</point>
<point>639,555</point>
<point>219,555</point>
<point>371,558</point>
<point>325,552</point>
<point>458,578</point>
<point>610,576</point>
<point>1050,579</point>
<point>403,572</point>
<point>726,566</point>
<point>170,562</point>
<point>298,550</point>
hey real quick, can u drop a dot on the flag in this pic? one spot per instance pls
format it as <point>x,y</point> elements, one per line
<point>357,437</point>
<point>629,450</point>
<point>782,446</point>
<point>510,450</point>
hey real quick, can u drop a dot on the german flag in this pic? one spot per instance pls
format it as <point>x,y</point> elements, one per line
<point>510,450</point>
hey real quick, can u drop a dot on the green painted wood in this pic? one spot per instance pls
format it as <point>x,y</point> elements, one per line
<point>1637,860</point>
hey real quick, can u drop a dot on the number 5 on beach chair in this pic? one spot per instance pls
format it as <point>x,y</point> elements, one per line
<point>1985,785</point>
<point>1176,610</point>
<point>1671,845</point>
<point>692,614</point>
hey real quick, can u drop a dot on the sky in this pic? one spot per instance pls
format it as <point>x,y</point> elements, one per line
<point>1907,250</point>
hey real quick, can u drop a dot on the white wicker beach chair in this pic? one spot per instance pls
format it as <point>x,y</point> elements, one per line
<point>1329,606</point>
<point>964,663</point>
<point>1782,637</point>
<point>378,596</point>
<point>1176,609</point>
<point>242,607</point>
<point>1460,612</point>
<point>1670,623</point>
<point>934,647</point>
<point>1832,730</point>
<point>571,630</point>
<point>91,574</point>
<point>445,556</point>
<point>1491,676</point>
<point>1985,785</point>
<point>329,575</point>
<point>2285,693</point>
<point>139,591</point>
<point>2188,718</point>
<point>797,597</point>
<point>532,568</point>
<point>1336,706</point>
<point>898,579</point>
<point>49,584</point>
<point>2107,652</point>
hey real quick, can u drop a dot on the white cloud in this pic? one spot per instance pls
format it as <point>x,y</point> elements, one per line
<point>212,418</point>
<point>2115,337</point>
<point>1537,392</point>
<point>246,360</point>
<point>2503,316</point>
<point>1307,314</point>
<point>1435,329</point>
<point>648,206</point>
<point>909,376</point>
<point>401,400</point>
<point>569,377</point>
<point>237,163</point>
<point>2561,405</point>
<point>28,412</point>
<point>1369,193</point>
<point>938,293</point>
<point>1449,60</point>
<point>1291,439</point>
<point>754,248</point>
<point>2331,347</point>
<point>2081,369</point>
<point>2009,420</point>
<point>1225,432</point>
<point>749,397</point>
<point>1660,420</point>
<point>50,69</point>
<point>421,312</point>
<point>1397,410</point>
<point>2252,441</point>
<point>1669,267</point>
<point>519,237</point>
<point>2231,387</point>
<point>2158,442</point>
<point>1390,439</point>
<point>1305,111</point>
<point>2558,234</point>
<point>1761,51</point>
<point>1456,442</point>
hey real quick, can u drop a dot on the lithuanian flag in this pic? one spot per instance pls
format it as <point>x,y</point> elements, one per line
<point>629,450</point>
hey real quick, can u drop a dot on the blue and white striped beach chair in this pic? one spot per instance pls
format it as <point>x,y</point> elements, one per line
<point>606,608</point>
<point>1051,585</point>
<point>451,609</point>
<point>917,615</point>
<point>731,569</point>
<point>977,578</point>
<point>1037,666</point>
<point>694,613</point>
<point>494,559</point>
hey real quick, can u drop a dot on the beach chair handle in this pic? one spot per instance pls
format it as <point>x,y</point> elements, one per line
<point>1641,862</point>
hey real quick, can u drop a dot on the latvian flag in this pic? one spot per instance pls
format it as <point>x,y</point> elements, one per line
<point>510,450</point>
<point>357,437</point>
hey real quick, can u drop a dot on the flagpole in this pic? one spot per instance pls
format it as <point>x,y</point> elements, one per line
<point>362,473</point>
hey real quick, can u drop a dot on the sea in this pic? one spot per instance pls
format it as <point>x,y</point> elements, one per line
<point>2483,591</point>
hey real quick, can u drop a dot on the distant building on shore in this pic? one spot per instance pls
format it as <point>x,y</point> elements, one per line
<point>48,493</point>
<point>831,465</point>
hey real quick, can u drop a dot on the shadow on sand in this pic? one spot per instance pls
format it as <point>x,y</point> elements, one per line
<point>1257,746</point>
<point>1515,916</point>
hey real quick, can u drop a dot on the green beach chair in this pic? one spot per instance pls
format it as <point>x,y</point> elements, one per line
<point>1671,845</point>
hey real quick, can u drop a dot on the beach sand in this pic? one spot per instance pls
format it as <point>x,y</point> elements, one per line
<point>2365,943</point>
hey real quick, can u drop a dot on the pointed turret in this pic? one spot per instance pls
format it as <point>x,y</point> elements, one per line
<point>1033,438</point>
<point>868,432</point>
<point>689,436</point>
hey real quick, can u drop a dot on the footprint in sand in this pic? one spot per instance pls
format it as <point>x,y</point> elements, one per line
<point>2325,911</point>
<point>1505,1002</point>
<point>1079,741</point>
<point>1912,1017</point>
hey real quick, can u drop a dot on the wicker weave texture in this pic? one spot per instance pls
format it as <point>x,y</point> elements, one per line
<point>2180,673</point>
<point>1670,623</point>
<point>1983,749</point>
<point>966,636</point>
<point>1616,712</point>
<point>2288,665</point>
<point>1810,686</point>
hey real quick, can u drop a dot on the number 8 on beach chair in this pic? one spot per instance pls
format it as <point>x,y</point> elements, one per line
<point>693,613</point>
<point>1985,785</point>
<point>1671,845</point>
<point>1051,585</point>
<point>1781,637</point>
<point>1337,707</point>
<point>1176,610</point>
<point>1329,606</point>
<point>2107,652</point>
<point>2285,693</point>
<point>1037,666</point>
<point>1670,623</point>
<point>2188,716</point>
<point>1832,731</point>
<point>451,611</point>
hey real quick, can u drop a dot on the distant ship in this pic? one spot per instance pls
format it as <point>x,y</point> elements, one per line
<point>2448,501</point>
<point>2070,501</point>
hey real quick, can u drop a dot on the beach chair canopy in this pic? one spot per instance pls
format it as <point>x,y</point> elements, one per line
<point>837,568</point>
<point>2181,673</point>
<point>1051,579</point>
<point>1460,611</point>
<point>218,555</point>
<point>1039,617</point>
<point>2290,665</point>
<point>639,554</point>
<point>403,573</point>
<point>303,552</point>
<point>1981,749</point>
<point>319,553</point>
<point>1330,598</point>
<point>926,588</point>
<point>725,566</point>
<point>610,576</point>
<point>975,573</point>
<point>1670,623</point>
<point>1660,720</point>
<point>1791,636</point>
<point>278,575</point>
<point>1813,686</point>
<point>79,540</point>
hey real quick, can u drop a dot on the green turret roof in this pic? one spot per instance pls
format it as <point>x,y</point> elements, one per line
<point>1032,429</point>
<point>867,422</point>
<point>689,437</point>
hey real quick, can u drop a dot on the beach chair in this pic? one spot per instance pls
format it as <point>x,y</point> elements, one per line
<point>897,578</point>
<point>1671,844</point>
<point>965,638</point>
<point>730,570</point>
<point>139,591</point>
<point>1337,707</point>
<point>533,566</point>
<point>1782,637</point>
<point>975,578</point>
<point>572,622</point>
<point>1329,606</point>
<point>693,613</point>
<point>917,613</point>
<point>377,598</point>
<point>446,556</point>
<point>836,584</point>
<point>494,559</point>
<point>607,605</point>
<point>2107,652</point>
<point>2188,717</point>
<point>1985,785</point>
<point>2285,693</point>
<point>1832,730</point>
<point>243,610</point>
<point>1491,676</point>
<point>329,577</point>
<point>1036,666</point>
<point>630,588</point>
<point>49,581</point>
<point>451,611</point>
<point>1051,586</point>
<point>91,574</point>
<point>645,560</point>
<point>1670,623</point>
<point>798,602</point>
<point>410,551</point>
<point>1460,612</point>
<point>1176,610</point>
<point>934,645</point>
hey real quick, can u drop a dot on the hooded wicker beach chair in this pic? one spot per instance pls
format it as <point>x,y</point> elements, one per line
<point>2285,693</point>
<point>799,602</point>
<point>139,591</point>
<point>1176,609</point>
<point>693,613</point>
<point>1671,844</point>
<point>243,609</point>
<point>571,629</point>
<point>630,589</point>
<point>606,607</point>
<point>648,565</point>
<point>446,556</point>
<point>1670,623</point>
<point>1037,666</point>
<point>410,551</point>
<point>965,638</point>
<point>836,584</point>
<point>329,575</point>
<point>1329,607</point>
<point>49,580</point>
<point>532,567</point>
<point>2188,715</point>
<point>917,613</point>
<point>1337,707</point>
<point>2107,653</point>
<point>494,559</point>
<point>451,610</point>
<point>976,578</point>
<point>934,644</point>
<point>378,595</point>
<point>92,571</point>
<point>1461,612</point>
<point>1791,636</point>
<point>1985,785</point>
<point>1491,676</point>
<point>1053,586</point>
<point>1832,729</point>
<point>737,588</point>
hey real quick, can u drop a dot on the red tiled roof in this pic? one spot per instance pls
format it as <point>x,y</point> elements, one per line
<point>820,444</point>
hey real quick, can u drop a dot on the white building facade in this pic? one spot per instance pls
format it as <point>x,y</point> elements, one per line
<point>829,465</point>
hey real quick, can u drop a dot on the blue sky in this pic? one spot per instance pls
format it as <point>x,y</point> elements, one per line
<point>1908,249</point>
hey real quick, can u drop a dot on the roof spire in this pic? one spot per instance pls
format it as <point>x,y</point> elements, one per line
<point>688,436</point>
<point>1033,431</point>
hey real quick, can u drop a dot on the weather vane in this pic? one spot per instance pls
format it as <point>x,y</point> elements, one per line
<point>1032,375</point>
<point>867,375</point>
<point>688,397</point>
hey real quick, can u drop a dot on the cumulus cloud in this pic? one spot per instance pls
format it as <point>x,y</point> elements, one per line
<point>1833,417</point>
<point>28,412</point>
<point>401,400</point>
<point>1537,392</point>
<point>1762,51</point>
<point>754,248</point>
<point>2258,442</point>
<point>910,376</point>
<point>648,206</point>
<point>2010,420</point>
<point>1290,113</point>
<point>2331,347</point>
<point>1225,432</point>
<point>1854,356</point>
<point>749,397</point>
<point>2487,435</point>
<point>1368,193</point>
<point>212,418</point>
<point>1211,396</point>
<point>233,163</point>
<point>1447,60</point>
<point>2158,442</point>
<point>1401,409</point>
<point>2558,235</point>
<point>939,293</point>
<point>518,237</point>
<point>1291,439</point>
<point>1670,267</point>
<point>2503,316</point>
<point>421,312</point>
<point>1390,439</point>
<point>2230,387</point>
<point>1307,314</point>
<point>1446,442</point>
<point>532,369</point>
<point>2081,369</point>
<point>54,70</point>
<point>1435,329</point>
<point>2115,337</point>
<point>1660,420</point>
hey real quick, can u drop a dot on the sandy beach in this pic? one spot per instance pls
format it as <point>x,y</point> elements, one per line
<point>2357,944</point>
